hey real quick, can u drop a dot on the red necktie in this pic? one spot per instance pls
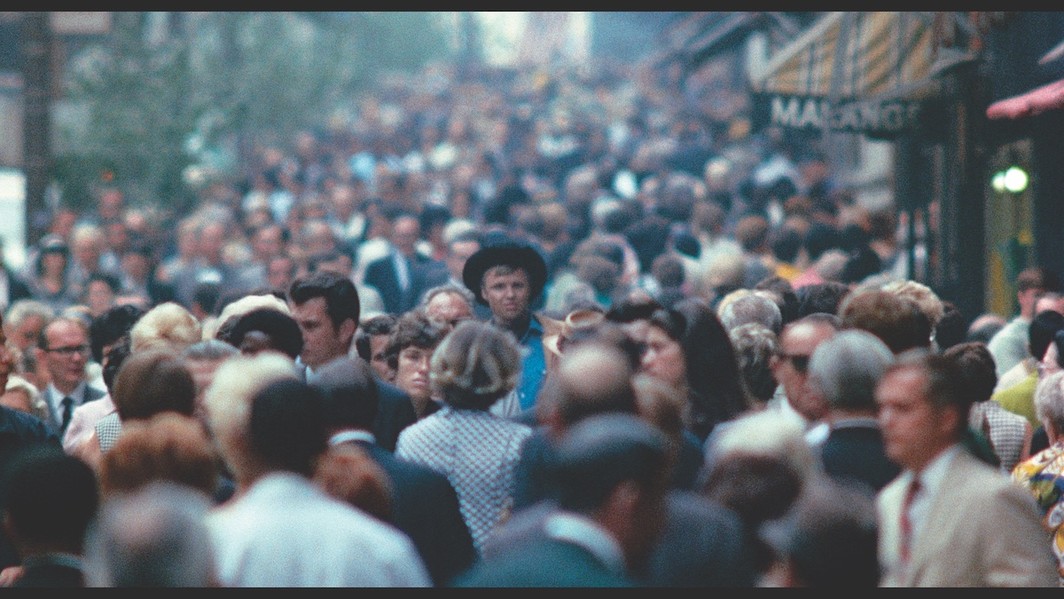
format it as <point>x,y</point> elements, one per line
<point>906,523</point>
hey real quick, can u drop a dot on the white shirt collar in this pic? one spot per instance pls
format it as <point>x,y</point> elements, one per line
<point>581,530</point>
<point>352,435</point>
<point>78,394</point>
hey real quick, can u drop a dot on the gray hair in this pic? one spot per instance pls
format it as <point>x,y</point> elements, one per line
<point>1049,401</point>
<point>754,346</point>
<point>22,309</point>
<point>752,306</point>
<point>153,537</point>
<point>767,433</point>
<point>847,367</point>
<point>462,292</point>
<point>209,350</point>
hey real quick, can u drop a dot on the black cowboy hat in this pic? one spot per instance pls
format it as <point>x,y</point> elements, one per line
<point>506,253</point>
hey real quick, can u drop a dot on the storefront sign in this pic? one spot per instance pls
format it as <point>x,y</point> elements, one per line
<point>855,116</point>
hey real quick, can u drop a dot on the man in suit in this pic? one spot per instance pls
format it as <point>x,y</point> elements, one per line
<point>844,371</point>
<point>402,275</point>
<point>326,307</point>
<point>424,504</point>
<point>612,474</point>
<point>949,519</point>
<point>594,379</point>
<point>64,350</point>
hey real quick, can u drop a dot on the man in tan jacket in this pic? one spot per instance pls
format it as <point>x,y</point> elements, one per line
<point>948,519</point>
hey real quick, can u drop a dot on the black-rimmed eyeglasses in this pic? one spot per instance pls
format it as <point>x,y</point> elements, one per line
<point>69,350</point>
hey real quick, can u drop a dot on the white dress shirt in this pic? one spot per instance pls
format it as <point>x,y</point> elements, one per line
<point>286,532</point>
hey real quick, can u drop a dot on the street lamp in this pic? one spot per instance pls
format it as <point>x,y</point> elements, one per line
<point>998,181</point>
<point>1015,179</point>
<point>1012,182</point>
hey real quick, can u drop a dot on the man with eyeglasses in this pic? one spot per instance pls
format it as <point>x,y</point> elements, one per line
<point>790,367</point>
<point>63,348</point>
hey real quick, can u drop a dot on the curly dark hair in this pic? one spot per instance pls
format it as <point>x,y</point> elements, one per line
<point>381,324</point>
<point>413,329</point>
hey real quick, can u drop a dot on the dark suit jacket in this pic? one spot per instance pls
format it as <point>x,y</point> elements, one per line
<point>425,507</point>
<point>19,430</point>
<point>160,292</point>
<point>382,276</point>
<point>394,413</point>
<point>91,394</point>
<point>16,288</point>
<point>855,452</point>
<point>703,545</point>
<point>532,478</point>
<point>542,562</point>
<point>46,572</point>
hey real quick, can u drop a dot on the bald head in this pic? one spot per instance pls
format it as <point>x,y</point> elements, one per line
<point>594,378</point>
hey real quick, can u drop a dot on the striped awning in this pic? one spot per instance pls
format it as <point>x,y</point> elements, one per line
<point>856,55</point>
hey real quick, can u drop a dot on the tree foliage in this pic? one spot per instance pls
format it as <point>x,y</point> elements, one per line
<point>149,106</point>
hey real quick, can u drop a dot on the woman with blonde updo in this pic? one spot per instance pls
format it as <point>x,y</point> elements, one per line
<point>476,365</point>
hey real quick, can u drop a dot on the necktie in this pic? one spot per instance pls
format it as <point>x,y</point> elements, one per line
<point>68,409</point>
<point>906,523</point>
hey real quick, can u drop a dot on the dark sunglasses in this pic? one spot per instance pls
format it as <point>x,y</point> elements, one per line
<point>800,362</point>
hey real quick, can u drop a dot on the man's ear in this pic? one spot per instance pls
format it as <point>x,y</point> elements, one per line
<point>950,420</point>
<point>347,329</point>
<point>624,499</point>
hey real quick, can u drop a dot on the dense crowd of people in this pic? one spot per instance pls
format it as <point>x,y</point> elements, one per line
<point>521,329</point>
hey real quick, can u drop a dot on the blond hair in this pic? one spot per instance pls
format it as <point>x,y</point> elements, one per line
<point>166,326</point>
<point>227,401</point>
<point>475,365</point>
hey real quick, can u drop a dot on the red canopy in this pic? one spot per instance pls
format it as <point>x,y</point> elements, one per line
<point>1036,101</point>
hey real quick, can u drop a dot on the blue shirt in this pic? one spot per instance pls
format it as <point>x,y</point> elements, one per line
<point>533,364</point>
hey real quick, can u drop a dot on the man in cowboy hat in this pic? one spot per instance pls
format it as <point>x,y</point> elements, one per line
<point>508,277</point>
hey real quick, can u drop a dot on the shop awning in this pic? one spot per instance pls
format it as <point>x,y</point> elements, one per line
<point>700,36</point>
<point>854,71</point>
<point>724,35</point>
<point>1041,99</point>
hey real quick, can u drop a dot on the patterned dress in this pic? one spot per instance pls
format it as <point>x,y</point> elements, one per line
<point>1008,431</point>
<point>477,451</point>
<point>1042,475</point>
